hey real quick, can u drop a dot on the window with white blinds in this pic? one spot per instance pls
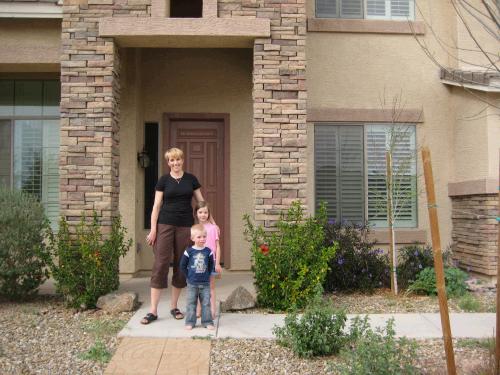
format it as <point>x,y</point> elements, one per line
<point>339,171</point>
<point>29,140</point>
<point>350,172</point>
<point>369,9</point>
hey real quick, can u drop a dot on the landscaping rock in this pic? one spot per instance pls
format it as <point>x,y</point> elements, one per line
<point>118,302</point>
<point>477,285</point>
<point>239,299</point>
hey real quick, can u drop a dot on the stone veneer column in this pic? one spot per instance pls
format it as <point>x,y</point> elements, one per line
<point>475,232</point>
<point>279,119</point>
<point>90,97</point>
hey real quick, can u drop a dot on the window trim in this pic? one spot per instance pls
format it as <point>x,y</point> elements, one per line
<point>367,26</point>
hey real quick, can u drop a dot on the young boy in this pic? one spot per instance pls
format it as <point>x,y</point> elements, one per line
<point>197,263</point>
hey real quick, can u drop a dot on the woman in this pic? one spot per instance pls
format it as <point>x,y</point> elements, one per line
<point>171,221</point>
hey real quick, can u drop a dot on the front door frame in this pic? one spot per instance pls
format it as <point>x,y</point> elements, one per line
<point>224,118</point>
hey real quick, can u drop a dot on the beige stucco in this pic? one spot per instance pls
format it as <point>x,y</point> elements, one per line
<point>30,45</point>
<point>476,135</point>
<point>186,81</point>
<point>470,55</point>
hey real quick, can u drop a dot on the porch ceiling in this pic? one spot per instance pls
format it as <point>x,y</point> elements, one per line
<point>185,32</point>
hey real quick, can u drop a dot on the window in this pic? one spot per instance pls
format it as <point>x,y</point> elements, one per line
<point>29,140</point>
<point>186,8</point>
<point>350,171</point>
<point>368,9</point>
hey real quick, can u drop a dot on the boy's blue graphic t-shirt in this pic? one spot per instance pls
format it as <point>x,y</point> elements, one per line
<point>197,265</point>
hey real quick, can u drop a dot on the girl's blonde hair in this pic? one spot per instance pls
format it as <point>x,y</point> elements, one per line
<point>174,153</point>
<point>203,204</point>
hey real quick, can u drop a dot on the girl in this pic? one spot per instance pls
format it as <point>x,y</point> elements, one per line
<point>202,213</point>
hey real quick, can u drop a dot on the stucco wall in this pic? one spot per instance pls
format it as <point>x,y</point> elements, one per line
<point>469,54</point>
<point>476,135</point>
<point>189,81</point>
<point>30,45</point>
<point>361,70</point>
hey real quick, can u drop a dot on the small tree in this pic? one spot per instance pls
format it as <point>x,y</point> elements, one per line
<point>396,177</point>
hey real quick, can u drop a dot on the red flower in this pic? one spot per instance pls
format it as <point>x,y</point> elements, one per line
<point>264,249</point>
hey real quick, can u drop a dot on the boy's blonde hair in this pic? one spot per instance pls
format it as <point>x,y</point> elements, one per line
<point>174,153</point>
<point>197,228</point>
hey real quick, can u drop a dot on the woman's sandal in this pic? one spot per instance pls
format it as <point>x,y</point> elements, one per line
<point>176,313</point>
<point>150,317</point>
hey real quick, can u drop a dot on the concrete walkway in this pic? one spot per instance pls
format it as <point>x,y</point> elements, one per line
<point>164,347</point>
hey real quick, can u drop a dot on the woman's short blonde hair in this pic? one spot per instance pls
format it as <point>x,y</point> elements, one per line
<point>174,153</point>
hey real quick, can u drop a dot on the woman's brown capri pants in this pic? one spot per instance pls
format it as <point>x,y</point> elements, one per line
<point>170,240</point>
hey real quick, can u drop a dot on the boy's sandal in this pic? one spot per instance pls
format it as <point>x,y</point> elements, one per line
<point>150,317</point>
<point>176,313</point>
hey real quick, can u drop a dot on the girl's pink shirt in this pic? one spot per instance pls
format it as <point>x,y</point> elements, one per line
<point>212,237</point>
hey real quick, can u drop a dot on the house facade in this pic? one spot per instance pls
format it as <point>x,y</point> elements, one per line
<point>272,101</point>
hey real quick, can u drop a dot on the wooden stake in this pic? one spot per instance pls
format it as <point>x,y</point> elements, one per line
<point>438,262</point>
<point>497,340</point>
<point>392,252</point>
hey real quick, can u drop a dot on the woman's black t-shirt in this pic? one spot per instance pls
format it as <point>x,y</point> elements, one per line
<point>177,195</point>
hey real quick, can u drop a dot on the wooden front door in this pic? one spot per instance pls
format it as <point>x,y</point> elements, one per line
<point>202,139</point>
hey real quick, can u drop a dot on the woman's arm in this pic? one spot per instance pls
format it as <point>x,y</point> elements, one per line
<point>198,195</point>
<point>151,238</point>
<point>218,268</point>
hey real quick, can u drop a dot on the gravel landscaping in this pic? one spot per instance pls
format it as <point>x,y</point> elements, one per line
<point>44,337</point>
<point>231,356</point>
<point>382,301</point>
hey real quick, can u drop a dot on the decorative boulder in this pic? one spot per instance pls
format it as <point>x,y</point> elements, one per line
<point>239,299</point>
<point>118,302</point>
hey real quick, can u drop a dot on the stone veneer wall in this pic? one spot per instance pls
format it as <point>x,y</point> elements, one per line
<point>475,232</point>
<point>279,95</point>
<point>90,97</point>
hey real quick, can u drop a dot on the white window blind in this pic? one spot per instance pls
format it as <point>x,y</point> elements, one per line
<point>327,8</point>
<point>5,153</point>
<point>401,140</point>
<point>390,9</point>
<point>351,9</point>
<point>50,170</point>
<point>339,171</point>
<point>339,8</point>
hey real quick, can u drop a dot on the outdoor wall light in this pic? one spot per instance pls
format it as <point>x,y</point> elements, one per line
<point>143,159</point>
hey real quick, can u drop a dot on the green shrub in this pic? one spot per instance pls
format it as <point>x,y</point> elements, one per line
<point>379,353</point>
<point>291,262</point>
<point>320,330</point>
<point>24,256</point>
<point>469,303</point>
<point>87,263</point>
<point>454,280</point>
<point>412,260</point>
<point>357,265</point>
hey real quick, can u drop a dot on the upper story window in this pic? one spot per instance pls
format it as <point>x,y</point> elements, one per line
<point>186,8</point>
<point>366,9</point>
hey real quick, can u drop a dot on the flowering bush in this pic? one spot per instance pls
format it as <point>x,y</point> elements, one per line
<point>412,260</point>
<point>87,263</point>
<point>357,264</point>
<point>291,262</point>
